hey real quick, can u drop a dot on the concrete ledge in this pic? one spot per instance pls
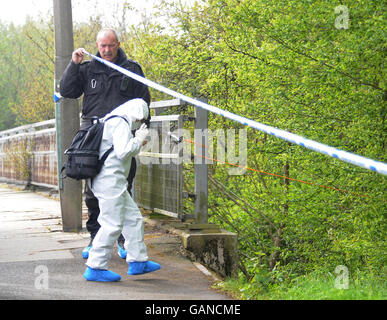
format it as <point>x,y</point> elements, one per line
<point>215,248</point>
<point>217,251</point>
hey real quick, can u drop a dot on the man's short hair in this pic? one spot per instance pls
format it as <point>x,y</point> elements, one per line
<point>104,31</point>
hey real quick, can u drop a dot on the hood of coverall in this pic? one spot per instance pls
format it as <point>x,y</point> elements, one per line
<point>135,109</point>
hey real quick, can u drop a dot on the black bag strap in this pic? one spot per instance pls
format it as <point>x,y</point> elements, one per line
<point>117,116</point>
<point>106,154</point>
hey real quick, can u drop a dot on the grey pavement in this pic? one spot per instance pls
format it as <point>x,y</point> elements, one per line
<point>40,262</point>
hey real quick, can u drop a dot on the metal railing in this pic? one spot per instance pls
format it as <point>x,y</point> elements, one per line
<point>27,155</point>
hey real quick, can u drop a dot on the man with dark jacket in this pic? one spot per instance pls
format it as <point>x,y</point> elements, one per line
<point>103,90</point>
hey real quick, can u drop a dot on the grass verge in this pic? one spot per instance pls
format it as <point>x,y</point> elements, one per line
<point>314,286</point>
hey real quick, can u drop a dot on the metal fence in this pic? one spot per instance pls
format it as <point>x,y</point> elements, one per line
<point>160,183</point>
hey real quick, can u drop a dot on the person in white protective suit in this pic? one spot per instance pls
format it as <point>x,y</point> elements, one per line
<point>118,212</point>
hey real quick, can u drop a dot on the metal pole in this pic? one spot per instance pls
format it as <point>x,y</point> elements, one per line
<point>201,167</point>
<point>67,117</point>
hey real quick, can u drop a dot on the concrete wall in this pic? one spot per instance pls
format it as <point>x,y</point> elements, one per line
<point>218,251</point>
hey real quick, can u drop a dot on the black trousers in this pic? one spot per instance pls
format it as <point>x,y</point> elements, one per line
<point>91,201</point>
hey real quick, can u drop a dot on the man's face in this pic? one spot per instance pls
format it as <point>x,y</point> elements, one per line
<point>108,47</point>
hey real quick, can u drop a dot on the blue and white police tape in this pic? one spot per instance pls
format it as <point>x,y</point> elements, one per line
<point>354,159</point>
<point>57,96</point>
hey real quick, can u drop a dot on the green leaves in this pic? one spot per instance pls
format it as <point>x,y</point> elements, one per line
<point>285,63</point>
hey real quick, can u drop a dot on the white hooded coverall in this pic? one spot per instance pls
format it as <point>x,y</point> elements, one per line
<point>118,212</point>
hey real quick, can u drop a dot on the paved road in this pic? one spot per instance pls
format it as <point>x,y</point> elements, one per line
<point>39,261</point>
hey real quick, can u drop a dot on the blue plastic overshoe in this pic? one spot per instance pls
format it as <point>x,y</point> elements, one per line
<point>137,268</point>
<point>121,252</point>
<point>85,252</point>
<point>101,275</point>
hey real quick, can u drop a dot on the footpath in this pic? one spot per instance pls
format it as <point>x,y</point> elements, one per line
<point>38,261</point>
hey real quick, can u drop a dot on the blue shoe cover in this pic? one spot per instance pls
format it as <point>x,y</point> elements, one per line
<point>101,275</point>
<point>121,252</point>
<point>136,268</point>
<point>85,252</point>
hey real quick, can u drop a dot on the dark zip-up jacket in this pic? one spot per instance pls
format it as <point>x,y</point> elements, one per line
<point>104,88</point>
